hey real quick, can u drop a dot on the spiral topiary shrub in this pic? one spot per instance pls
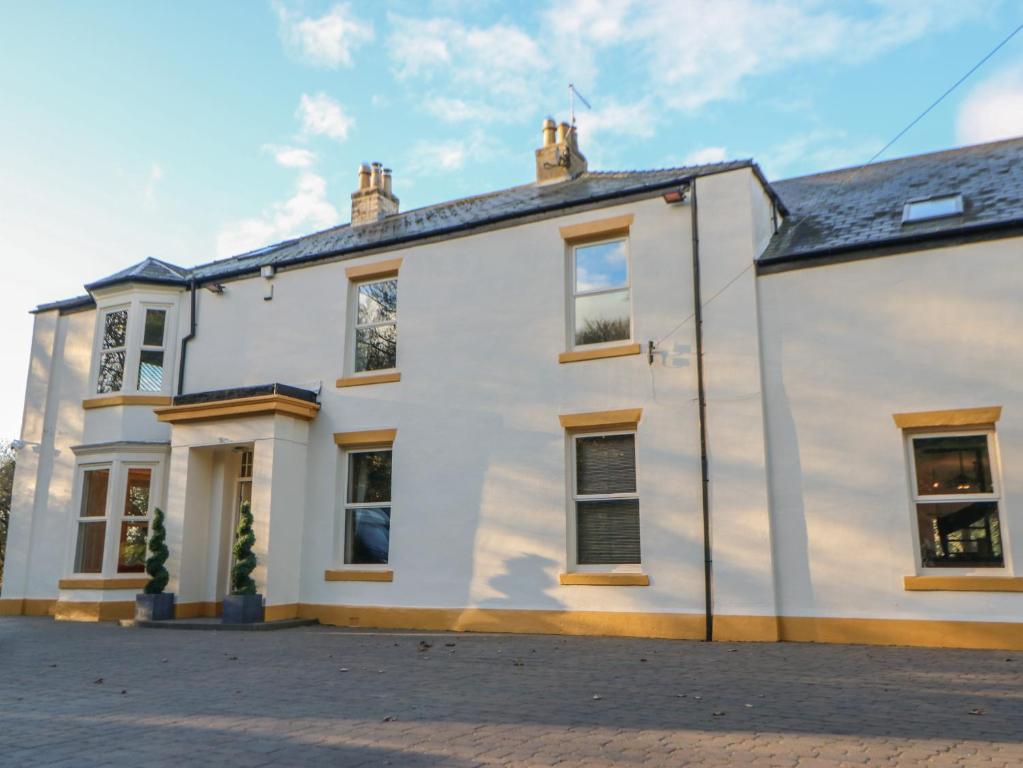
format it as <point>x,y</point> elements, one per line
<point>158,576</point>
<point>244,559</point>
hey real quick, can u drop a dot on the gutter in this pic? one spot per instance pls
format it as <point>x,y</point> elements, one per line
<point>184,341</point>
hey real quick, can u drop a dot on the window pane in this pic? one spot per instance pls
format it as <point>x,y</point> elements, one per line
<point>111,372</point>
<point>89,552</point>
<point>960,534</point>
<point>378,302</point>
<point>115,329</point>
<point>375,348</point>
<point>607,532</point>
<point>604,317</point>
<point>605,464</point>
<point>367,535</point>
<point>150,371</point>
<point>94,492</point>
<point>369,477</point>
<point>952,465</point>
<point>136,498</point>
<point>933,209</point>
<point>131,556</point>
<point>155,320</point>
<point>601,266</point>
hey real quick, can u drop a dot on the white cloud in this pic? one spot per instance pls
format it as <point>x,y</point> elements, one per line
<point>307,210</point>
<point>994,109</point>
<point>155,177</point>
<point>636,119</point>
<point>705,155</point>
<point>453,110</point>
<point>489,72</point>
<point>327,41</point>
<point>444,156</point>
<point>323,116</point>
<point>291,157</point>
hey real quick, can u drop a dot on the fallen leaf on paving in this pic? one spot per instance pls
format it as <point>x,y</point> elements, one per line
<point>597,697</point>
<point>343,669</point>
<point>388,718</point>
<point>976,711</point>
<point>98,681</point>
<point>718,714</point>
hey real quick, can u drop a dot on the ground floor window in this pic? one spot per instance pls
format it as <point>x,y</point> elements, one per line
<point>367,512</point>
<point>956,500</point>
<point>114,510</point>
<point>605,499</point>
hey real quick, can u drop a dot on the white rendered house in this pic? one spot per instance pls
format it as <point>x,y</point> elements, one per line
<point>493,413</point>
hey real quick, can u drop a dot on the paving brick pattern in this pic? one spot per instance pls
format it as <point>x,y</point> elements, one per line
<point>82,695</point>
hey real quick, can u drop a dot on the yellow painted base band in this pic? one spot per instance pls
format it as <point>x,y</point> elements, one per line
<point>280,612</point>
<point>16,606</point>
<point>918,632</point>
<point>207,610</point>
<point>361,381</point>
<point>114,610</point>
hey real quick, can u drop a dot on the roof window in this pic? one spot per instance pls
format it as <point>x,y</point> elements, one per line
<point>932,208</point>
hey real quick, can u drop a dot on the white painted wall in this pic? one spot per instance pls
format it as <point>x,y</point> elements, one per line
<point>845,347</point>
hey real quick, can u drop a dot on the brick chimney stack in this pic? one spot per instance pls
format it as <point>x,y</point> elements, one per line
<point>373,200</point>
<point>559,158</point>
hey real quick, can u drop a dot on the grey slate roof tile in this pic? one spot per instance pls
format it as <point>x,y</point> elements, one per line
<point>862,206</point>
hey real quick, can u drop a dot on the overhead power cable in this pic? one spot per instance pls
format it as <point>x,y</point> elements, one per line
<point>942,97</point>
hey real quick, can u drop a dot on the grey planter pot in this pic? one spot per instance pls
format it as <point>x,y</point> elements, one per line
<point>242,609</point>
<point>154,607</point>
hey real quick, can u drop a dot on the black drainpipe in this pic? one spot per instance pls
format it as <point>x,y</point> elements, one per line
<point>185,340</point>
<point>708,562</point>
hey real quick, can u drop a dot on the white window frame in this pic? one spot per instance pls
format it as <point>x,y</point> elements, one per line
<point>353,323</point>
<point>101,350</point>
<point>574,497</point>
<point>144,309</point>
<point>136,305</point>
<point>341,527</point>
<point>996,496</point>
<point>574,293</point>
<point>113,515</point>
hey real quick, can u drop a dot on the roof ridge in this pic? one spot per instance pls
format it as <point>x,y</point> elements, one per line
<point>904,159</point>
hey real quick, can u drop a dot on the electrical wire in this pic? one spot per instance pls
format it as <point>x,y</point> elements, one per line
<point>721,290</point>
<point>941,98</point>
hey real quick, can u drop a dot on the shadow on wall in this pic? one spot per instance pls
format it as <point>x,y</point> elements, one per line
<point>525,582</point>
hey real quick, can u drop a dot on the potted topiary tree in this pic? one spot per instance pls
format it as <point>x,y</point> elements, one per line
<point>243,605</point>
<point>155,604</point>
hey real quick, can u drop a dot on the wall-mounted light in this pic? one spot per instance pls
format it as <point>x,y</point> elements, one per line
<point>267,271</point>
<point>217,288</point>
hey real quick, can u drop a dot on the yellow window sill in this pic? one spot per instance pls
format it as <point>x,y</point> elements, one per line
<point>359,381</point>
<point>345,575</point>
<point>599,354</point>
<point>605,579</point>
<point>110,401</point>
<point>963,583</point>
<point>86,583</point>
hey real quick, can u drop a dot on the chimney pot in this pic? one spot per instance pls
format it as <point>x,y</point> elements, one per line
<point>387,181</point>
<point>563,133</point>
<point>364,176</point>
<point>375,181</point>
<point>548,132</point>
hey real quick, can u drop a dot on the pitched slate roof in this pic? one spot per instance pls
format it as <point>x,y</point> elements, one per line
<point>459,215</point>
<point>150,270</point>
<point>862,207</point>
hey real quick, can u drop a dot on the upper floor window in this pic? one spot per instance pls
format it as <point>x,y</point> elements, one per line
<point>376,325</point>
<point>112,353</point>
<point>601,306</point>
<point>932,208</point>
<point>131,353</point>
<point>151,353</point>
<point>956,499</point>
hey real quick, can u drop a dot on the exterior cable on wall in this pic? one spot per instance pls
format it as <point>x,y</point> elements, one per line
<point>721,290</point>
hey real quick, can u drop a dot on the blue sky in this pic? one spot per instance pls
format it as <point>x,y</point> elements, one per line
<point>192,131</point>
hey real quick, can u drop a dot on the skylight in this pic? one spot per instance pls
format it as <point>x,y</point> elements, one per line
<point>932,208</point>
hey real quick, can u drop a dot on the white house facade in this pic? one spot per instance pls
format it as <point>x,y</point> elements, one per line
<point>684,403</point>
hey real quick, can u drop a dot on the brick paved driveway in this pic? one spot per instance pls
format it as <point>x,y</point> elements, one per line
<point>99,695</point>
